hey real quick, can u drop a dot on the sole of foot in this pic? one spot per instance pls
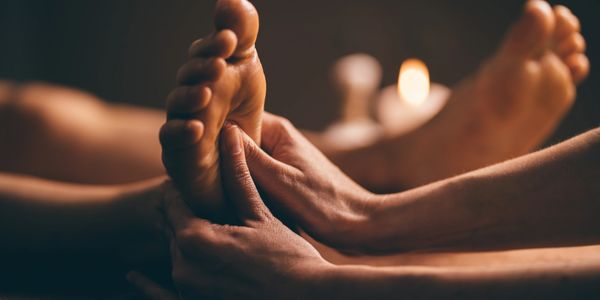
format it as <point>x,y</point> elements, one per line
<point>222,80</point>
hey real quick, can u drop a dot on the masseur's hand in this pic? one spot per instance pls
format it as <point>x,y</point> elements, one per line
<point>300,181</point>
<point>259,259</point>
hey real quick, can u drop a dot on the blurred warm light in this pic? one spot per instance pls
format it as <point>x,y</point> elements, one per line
<point>413,82</point>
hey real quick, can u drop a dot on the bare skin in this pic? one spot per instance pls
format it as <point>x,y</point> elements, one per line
<point>223,80</point>
<point>522,203</point>
<point>505,110</point>
<point>262,258</point>
<point>26,196</point>
<point>68,135</point>
<point>111,209</point>
<point>59,230</point>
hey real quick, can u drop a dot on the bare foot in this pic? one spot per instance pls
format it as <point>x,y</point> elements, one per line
<point>506,109</point>
<point>223,79</point>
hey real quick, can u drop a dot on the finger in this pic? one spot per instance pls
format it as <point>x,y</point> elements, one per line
<point>275,179</point>
<point>149,288</point>
<point>197,71</point>
<point>188,235</point>
<point>185,101</point>
<point>238,182</point>
<point>275,130</point>
<point>284,142</point>
<point>278,179</point>
<point>176,134</point>
<point>257,157</point>
<point>177,213</point>
<point>264,168</point>
<point>189,243</point>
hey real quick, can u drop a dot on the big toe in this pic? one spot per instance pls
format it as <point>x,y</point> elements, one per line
<point>533,31</point>
<point>242,18</point>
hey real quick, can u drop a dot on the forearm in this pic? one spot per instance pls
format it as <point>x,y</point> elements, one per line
<point>547,282</point>
<point>546,198</point>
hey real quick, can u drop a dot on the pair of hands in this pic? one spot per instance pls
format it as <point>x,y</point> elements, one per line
<point>261,256</point>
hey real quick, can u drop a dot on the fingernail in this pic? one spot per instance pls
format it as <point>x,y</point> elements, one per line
<point>232,139</point>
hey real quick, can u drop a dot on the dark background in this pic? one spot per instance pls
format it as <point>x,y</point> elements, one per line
<point>129,51</point>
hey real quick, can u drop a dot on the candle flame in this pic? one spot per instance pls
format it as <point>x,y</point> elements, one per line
<point>413,82</point>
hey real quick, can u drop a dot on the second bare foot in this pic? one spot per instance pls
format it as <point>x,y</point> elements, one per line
<point>505,110</point>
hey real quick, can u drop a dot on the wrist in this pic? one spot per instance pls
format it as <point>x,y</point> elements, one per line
<point>350,229</point>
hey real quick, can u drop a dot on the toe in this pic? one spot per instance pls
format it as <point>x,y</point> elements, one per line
<point>221,44</point>
<point>198,70</point>
<point>531,34</point>
<point>566,22</point>
<point>575,43</point>
<point>177,133</point>
<point>185,101</point>
<point>579,65</point>
<point>242,18</point>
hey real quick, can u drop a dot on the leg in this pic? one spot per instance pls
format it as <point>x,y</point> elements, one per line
<point>65,134</point>
<point>54,232</point>
<point>505,110</point>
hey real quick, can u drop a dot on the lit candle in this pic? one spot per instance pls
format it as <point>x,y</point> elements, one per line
<point>412,102</point>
